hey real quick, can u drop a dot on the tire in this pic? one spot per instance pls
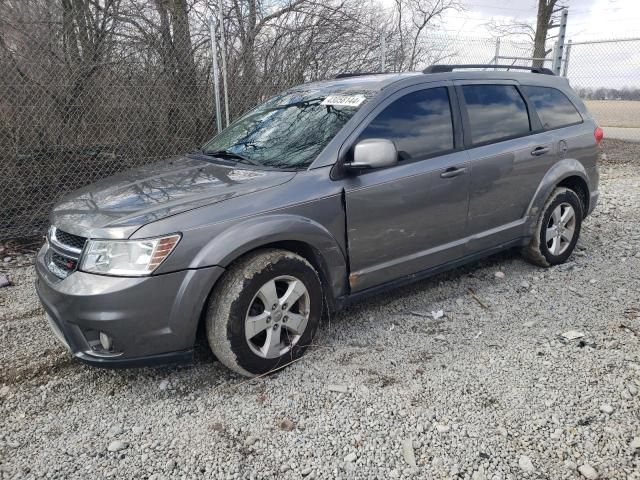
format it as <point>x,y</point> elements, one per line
<point>249,336</point>
<point>551,245</point>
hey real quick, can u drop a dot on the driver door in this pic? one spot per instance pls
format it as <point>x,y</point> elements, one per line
<point>412,216</point>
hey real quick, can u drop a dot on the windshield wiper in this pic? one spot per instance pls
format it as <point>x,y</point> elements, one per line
<point>234,156</point>
<point>301,103</point>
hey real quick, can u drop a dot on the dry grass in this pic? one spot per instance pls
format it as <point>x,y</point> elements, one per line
<point>615,113</point>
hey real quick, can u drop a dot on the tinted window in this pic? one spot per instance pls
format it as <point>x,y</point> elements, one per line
<point>553,107</point>
<point>495,112</point>
<point>419,123</point>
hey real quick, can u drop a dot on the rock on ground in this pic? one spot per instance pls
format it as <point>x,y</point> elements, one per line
<point>116,446</point>
<point>587,471</point>
<point>525,464</point>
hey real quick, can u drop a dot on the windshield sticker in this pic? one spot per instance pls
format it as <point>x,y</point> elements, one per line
<point>344,100</point>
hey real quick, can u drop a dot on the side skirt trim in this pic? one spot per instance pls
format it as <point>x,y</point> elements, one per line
<point>416,277</point>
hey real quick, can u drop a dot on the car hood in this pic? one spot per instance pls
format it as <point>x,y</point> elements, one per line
<point>117,206</point>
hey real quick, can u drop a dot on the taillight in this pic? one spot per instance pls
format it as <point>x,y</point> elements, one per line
<point>599,134</point>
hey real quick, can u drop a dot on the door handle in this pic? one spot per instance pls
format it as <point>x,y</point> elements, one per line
<point>536,152</point>
<point>453,172</point>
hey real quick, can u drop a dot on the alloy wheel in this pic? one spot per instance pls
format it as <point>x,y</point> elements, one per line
<point>277,317</point>
<point>560,229</point>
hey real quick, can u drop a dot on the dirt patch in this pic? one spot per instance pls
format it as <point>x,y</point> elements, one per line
<point>50,363</point>
<point>619,152</point>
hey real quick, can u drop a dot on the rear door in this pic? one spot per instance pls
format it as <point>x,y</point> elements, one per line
<point>556,113</point>
<point>509,154</point>
<point>411,216</point>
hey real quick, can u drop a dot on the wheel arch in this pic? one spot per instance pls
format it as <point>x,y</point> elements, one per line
<point>315,258</point>
<point>299,235</point>
<point>569,173</point>
<point>580,186</point>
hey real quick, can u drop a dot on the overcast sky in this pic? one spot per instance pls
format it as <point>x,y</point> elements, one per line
<point>594,65</point>
<point>588,19</point>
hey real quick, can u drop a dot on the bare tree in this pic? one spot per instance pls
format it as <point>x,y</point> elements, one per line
<point>149,61</point>
<point>162,29</point>
<point>547,20</point>
<point>271,47</point>
<point>87,29</point>
<point>412,19</point>
<point>57,50</point>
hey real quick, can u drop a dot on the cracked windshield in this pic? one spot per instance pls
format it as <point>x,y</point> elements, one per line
<point>288,131</point>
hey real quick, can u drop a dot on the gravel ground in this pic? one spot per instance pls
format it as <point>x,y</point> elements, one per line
<point>490,390</point>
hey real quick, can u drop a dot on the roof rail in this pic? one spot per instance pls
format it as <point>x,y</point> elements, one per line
<point>347,75</point>
<point>450,68</point>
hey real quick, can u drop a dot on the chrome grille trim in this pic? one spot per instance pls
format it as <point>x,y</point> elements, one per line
<point>64,252</point>
<point>70,240</point>
<point>54,268</point>
<point>63,247</point>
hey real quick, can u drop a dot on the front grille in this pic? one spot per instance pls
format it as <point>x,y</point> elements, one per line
<point>70,240</point>
<point>64,263</point>
<point>64,252</point>
<point>60,265</point>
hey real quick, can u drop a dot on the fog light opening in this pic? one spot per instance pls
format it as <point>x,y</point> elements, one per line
<point>106,342</point>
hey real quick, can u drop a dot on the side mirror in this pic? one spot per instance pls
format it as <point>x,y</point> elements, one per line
<point>373,153</point>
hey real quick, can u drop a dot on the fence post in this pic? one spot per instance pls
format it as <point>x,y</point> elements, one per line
<point>383,52</point>
<point>214,67</point>
<point>566,59</point>
<point>558,51</point>
<point>224,64</point>
<point>495,57</point>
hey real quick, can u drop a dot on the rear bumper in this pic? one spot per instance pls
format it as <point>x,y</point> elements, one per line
<point>150,320</point>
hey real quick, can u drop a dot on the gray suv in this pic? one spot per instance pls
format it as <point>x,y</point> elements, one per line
<point>326,193</point>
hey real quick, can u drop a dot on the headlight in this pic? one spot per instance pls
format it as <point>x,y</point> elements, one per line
<point>129,258</point>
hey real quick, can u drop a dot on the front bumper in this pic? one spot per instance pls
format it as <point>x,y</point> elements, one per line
<point>151,320</point>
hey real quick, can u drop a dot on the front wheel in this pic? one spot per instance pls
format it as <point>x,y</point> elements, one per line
<point>557,230</point>
<point>265,311</point>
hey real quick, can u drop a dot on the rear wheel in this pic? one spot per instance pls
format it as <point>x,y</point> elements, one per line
<point>557,230</point>
<point>265,312</point>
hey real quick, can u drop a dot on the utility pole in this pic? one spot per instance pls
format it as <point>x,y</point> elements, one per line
<point>216,73</point>
<point>558,51</point>
<point>497,55</point>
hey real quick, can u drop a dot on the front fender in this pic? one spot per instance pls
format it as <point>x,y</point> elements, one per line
<point>257,232</point>
<point>565,168</point>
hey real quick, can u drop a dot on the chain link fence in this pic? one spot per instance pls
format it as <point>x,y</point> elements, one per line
<point>79,104</point>
<point>606,74</point>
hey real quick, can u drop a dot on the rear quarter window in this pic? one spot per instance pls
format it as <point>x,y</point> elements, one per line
<point>554,108</point>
